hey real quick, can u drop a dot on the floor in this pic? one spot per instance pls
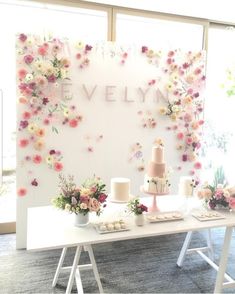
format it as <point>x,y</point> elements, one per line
<point>145,265</point>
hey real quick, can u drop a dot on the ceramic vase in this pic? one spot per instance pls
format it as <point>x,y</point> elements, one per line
<point>81,220</point>
<point>139,219</point>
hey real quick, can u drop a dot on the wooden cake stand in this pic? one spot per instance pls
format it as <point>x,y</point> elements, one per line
<point>153,207</point>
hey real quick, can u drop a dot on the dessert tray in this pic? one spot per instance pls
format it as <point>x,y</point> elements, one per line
<point>111,227</point>
<point>207,215</point>
<point>165,216</point>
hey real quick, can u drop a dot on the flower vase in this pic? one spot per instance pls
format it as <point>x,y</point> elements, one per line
<point>139,219</point>
<point>81,220</point>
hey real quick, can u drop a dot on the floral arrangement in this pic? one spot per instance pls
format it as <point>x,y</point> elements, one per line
<point>218,196</point>
<point>90,197</point>
<point>182,81</point>
<point>134,206</point>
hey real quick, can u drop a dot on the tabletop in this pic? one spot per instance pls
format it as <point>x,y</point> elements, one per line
<point>50,228</point>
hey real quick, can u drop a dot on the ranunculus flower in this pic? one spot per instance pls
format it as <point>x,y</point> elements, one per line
<point>93,205</point>
<point>58,166</point>
<point>23,143</point>
<point>21,192</point>
<point>189,140</point>
<point>42,50</point>
<point>39,145</point>
<point>37,159</point>
<point>73,123</point>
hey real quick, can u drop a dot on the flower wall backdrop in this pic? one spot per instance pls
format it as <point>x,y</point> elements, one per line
<point>89,109</point>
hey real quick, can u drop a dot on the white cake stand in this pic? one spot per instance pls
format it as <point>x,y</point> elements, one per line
<point>153,207</point>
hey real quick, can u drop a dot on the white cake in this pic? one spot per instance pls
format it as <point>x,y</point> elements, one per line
<point>120,189</point>
<point>186,186</point>
<point>156,180</point>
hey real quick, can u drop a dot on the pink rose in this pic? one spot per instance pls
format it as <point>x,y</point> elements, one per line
<point>102,198</point>
<point>189,140</point>
<point>28,59</point>
<point>93,205</point>
<point>232,202</point>
<point>73,123</point>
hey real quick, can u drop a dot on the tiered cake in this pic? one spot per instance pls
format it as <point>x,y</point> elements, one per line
<point>156,180</point>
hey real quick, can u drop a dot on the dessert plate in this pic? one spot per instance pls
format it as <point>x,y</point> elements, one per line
<point>111,227</point>
<point>165,216</point>
<point>207,215</point>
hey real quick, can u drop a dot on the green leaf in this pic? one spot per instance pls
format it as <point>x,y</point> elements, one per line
<point>54,129</point>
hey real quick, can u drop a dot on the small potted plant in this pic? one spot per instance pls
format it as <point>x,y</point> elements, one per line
<point>137,208</point>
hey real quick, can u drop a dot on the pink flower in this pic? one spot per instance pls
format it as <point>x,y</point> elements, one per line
<point>189,140</point>
<point>51,78</point>
<point>22,73</point>
<point>22,37</point>
<point>144,49</point>
<point>42,50</point>
<point>26,115</point>
<point>171,53</point>
<point>180,136</point>
<point>28,59</point>
<point>93,205</point>
<point>102,198</point>
<point>184,157</point>
<point>188,117</point>
<point>197,71</point>
<point>73,123</point>
<point>46,121</point>
<point>195,125</point>
<point>197,165</point>
<point>21,192</point>
<point>232,202</point>
<point>78,55</point>
<point>37,159</point>
<point>23,143</point>
<point>58,166</point>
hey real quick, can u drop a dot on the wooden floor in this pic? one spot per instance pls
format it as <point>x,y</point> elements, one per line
<point>136,266</point>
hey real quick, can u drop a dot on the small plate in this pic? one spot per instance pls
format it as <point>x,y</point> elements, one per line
<point>111,227</point>
<point>165,216</point>
<point>207,215</point>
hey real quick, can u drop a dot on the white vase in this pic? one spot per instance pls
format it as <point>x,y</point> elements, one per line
<point>81,220</point>
<point>139,219</point>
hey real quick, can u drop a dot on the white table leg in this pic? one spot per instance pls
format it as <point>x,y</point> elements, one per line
<point>59,266</point>
<point>94,266</point>
<point>223,260</point>
<point>184,249</point>
<point>209,244</point>
<point>73,270</point>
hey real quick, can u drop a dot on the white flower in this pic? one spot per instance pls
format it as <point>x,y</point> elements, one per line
<point>83,206</point>
<point>28,77</point>
<point>63,73</point>
<point>175,108</point>
<point>67,207</point>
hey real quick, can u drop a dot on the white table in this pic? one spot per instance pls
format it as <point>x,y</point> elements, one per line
<point>49,228</point>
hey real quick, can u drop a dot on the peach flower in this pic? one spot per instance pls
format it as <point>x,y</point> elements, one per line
<point>40,132</point>
<point>232,202</point>
<point>94,204</point>
<point>39,145</point>
<point>207,193</point>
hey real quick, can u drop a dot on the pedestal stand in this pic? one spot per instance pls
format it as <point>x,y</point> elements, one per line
<point>154,207</point>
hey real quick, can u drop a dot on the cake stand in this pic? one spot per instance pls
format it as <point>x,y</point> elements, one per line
<point>153,207</point>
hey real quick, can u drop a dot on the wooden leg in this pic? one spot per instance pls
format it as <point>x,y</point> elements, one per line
<point>94,266</point>
<point>223,260</point>
<point>73,270</point>
<point>59,266</point>
<point>184,249</point>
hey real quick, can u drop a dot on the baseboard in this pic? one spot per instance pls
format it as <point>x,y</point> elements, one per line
<point>6,228</point>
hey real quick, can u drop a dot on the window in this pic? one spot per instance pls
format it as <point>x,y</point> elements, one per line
<point>220,102</point>
<point>158,33</point>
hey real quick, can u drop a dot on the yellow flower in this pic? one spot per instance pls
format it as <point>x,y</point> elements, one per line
<point>173,116</point>
<point>85,192</point>
<point>169,87</point>
<point>66,112</point>
<point>159,141</point>
<point>163,110</point>
<point>32,128</point>
<point>79,45</point>
<point>150,53</point>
